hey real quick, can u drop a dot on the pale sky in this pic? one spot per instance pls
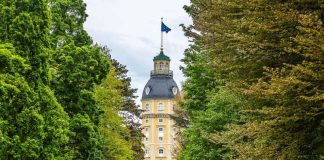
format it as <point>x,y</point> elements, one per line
<point>131,29</point>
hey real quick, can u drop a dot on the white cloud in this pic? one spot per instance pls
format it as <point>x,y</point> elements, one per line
<point>131,29</point>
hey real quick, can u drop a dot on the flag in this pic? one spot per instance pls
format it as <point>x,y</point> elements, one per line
<point>164,28</point>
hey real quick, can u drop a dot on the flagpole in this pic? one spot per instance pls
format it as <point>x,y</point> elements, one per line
<point>161,35</point>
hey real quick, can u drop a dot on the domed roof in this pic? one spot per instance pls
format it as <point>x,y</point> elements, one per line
<point>160,87</point>
<point>161,57</point>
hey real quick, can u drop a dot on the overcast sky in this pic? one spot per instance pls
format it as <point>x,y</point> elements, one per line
<point>131,29</point>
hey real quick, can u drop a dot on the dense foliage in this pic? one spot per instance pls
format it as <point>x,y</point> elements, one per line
<point>60,96</point>
<point>255,80</point>
<point>33,124</point>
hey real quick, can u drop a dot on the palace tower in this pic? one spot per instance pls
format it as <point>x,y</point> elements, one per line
<point>159,103</point>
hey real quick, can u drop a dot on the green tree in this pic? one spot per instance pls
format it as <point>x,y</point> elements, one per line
<point>75,73</point>
<point>128,108</point>
<point>33,123</point>
<point>289,96</point>
<point>269,54</point>
<point>206,106</point>
<point>131,111</point>
<point>68,18</point>
<point>76,88</point>
<point>36,52</point>
<point>113,128</point>
<point>76,68</point>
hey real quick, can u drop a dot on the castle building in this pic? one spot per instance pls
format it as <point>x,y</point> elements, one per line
<point>158,104</point>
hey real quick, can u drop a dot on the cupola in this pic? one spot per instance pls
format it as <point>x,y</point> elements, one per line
<point>161,64</point>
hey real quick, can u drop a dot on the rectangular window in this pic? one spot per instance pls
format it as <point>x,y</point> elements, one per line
<point>160,120</point>
<point>147,107</point>
<point>160,139</point>
<point>160,132</point>
<point>160,152</point>
<point>160,107</point>
<point>146,151</point>
<point>147,121</point>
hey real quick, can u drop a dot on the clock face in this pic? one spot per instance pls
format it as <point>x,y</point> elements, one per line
<point>174,90</point>
<point>147,90</point>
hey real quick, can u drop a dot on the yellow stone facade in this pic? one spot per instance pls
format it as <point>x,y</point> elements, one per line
<point>154,118</point>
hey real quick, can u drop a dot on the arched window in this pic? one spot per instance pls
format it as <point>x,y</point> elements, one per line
<point>161,66</point>
<point>161,107</point>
